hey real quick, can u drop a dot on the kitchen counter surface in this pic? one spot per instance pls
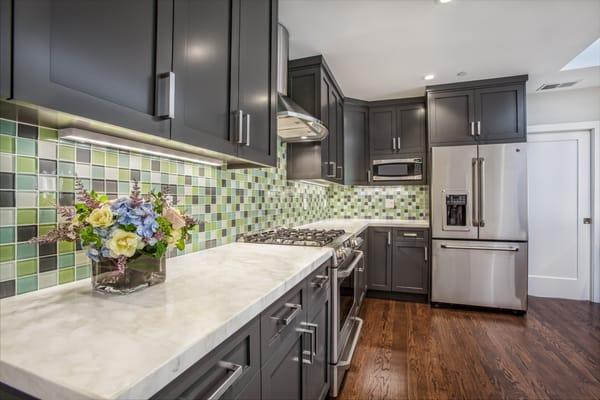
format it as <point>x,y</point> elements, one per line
<point>71,343</point>
<point>356,226</point>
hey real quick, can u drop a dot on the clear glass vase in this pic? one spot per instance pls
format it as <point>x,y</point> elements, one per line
<point>140,272</point>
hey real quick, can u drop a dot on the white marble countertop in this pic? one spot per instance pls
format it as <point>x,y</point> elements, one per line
<point>70,343</point>
<point>356,226</point>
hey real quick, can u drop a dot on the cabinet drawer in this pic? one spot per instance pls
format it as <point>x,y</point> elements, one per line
<point>318,288</point>
<point>402,234</point>
<point>281,320</point>
<point>219,371</point>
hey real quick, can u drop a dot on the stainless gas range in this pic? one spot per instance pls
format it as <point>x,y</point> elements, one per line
<point>347,292</point>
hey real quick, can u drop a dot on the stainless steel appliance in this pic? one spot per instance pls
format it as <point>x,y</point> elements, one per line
<point>294,124</point>
<point>347,281</point>
<point>479,225</point>
<point>398,169</point>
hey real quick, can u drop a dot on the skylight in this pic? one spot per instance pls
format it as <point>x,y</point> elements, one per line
<point>589,57</point>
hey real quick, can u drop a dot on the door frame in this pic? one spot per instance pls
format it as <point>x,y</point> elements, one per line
<point>594,128</point>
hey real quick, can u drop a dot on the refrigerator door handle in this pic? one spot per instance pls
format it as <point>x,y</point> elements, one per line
<point>481,192</point>
<point>459,247</point>
<point>475,200</point>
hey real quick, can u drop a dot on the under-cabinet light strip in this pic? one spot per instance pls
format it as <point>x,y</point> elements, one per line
<point>84,136</point>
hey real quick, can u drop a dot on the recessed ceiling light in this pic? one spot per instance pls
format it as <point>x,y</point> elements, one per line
<point>303,137</point>
<point>461,73</point>
<point>444,1</point>
<point>429,77</point>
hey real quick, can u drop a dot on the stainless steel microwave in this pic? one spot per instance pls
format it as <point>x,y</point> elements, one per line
<point>402,169</point>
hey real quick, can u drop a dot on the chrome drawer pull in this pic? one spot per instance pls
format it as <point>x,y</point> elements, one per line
<point>319,281</point>
<point>296,308</point>
<point>409,234</point>
<point>236,371</point>
<point>311,352</point>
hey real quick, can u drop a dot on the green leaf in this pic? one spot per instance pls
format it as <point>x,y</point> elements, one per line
<point>128,228</point>
<point>180,244</point>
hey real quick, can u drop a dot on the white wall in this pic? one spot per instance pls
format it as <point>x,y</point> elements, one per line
<point>563,106</point>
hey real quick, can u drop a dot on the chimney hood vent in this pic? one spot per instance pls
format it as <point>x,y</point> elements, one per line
<point>294,124</point>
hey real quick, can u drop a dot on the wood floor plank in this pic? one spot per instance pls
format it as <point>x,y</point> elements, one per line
<point>413,351</point>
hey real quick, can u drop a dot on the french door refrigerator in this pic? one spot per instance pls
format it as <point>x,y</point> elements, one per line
<point>479,225</point>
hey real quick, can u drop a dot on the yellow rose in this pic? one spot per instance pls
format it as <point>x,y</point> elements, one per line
<point>100,217</point>
<point>123,243</point>
<point>174,237</point>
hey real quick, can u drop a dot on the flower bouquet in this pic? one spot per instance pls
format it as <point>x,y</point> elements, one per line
<point>126,239</point>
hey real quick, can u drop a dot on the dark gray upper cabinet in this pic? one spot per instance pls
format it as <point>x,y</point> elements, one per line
<point>356,142</point>
<point>410,123</point>
<point>96,59</point>
<point>379,273</point>
<point>218,55</point>
<point>257,74</point>
<point>313,87</point>
<point>487,111</point>
<point>201,119</point>
<point>410,267</point>
<point>382,130</point>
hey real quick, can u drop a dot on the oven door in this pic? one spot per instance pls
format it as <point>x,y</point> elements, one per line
<point>405,169</point>
<point>344,301</point>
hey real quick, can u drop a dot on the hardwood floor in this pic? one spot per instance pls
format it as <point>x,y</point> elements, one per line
<point>410,350</point>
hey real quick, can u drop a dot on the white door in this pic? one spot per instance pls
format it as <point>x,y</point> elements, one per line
<point>559,175</point>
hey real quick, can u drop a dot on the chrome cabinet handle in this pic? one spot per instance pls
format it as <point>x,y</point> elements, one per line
<point>345,364</point>
<point>394,143</point>
<point>247,129</point>
<point>461,247</point>
<point>331,164</point>
<point>389,242</point>
<point>481,192</point>
<point>398,142</point>
<point>426,253</point>
<point>472,128</point>
<point>406,234</point>
<point>240,127</point>
<point>316,328</point>
<point>165,99</point>
<point>236,372</point>
<point>319,281</point>
<point>369,176</point>
<point>296,308</point>
<point>341,169</point>
<point>478,128</point>
<point>311,352</point>
<point>346,273</point>
<point>475,200</point>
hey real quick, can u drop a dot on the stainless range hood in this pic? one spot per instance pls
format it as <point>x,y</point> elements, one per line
<point>294,124</point>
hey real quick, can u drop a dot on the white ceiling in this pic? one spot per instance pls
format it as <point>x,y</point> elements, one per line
<point>379,49</point>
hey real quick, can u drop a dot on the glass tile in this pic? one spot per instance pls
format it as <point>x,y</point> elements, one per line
<point>47,199</point>
<point>98,171</point>
<point>66,275</point>
<point>46,183</point>
<point>26,199</point>
<point>48,167</point>
<point>66,168</point>
<point>27,284</point>
<point>7,162</point>
<point>47,249</point>
<point>7,216</point>
<point>83,155</point>
<point>26,216</point>
<point>7,252</point>
<point>83,170</point>
<point>66,199</point>
<point>7,234</point>
<point>66,184</point>
<point>47,150</point>
<point>7,180</point>
<point>27,164</point>
<point>112,159</point>
<point>26,250</point>
<point>7,144</point>
<point>7,271</point>
<point>48,263</point>
<point>66,260</point>
<point>27,131</point>
<point>26,147</point>
<point>26,267</point>
<point>98,157</point>
<point>26,182</point>
<point>48,134</point>
<point>123,160</point>
<point>8,127</point>
<point>7,289</point>
<point>66,153</point>
<point>82,272</point>
<point>48,279</point>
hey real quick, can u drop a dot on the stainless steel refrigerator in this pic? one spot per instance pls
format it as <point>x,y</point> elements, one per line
<point>479,225</point>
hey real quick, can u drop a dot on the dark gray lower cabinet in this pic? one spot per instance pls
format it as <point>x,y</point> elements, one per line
<point>398,260</point>
<point>220,369</point>
<point>410,267</point>
<point>379,274</point>
<point>283,375</point>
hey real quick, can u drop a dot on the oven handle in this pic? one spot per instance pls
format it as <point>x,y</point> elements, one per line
<point>345,364</point>
<point>346,273</point>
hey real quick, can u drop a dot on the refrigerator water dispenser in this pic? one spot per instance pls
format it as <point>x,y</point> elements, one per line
<point>456,210</point>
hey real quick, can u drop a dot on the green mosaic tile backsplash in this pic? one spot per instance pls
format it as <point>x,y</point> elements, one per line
<point>37,173</point>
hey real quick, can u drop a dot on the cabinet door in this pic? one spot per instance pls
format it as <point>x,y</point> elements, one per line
<point>356,145</point>
<point>317,376</point>
<point>451,116</point>
<point>257,69</point>
<point>201,58</point>
<point>382,130</point>
<point>95,59</point>
<point>500,114</point>
<point>282,377</point>
<point>326,118</point>
<point>410,267</point>
<point>410,136</point>
<point>340,139</point>
<point>380,256</point>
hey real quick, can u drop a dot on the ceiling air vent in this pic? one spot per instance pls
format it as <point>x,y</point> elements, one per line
<point>549,86</point>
